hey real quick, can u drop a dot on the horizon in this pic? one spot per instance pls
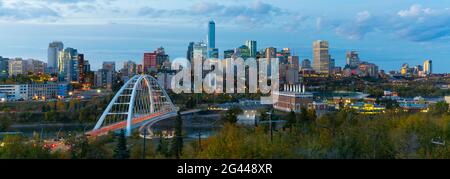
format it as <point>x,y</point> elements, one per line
<point>416,30</point>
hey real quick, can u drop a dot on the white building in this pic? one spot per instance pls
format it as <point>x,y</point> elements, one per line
<point>15,92</point>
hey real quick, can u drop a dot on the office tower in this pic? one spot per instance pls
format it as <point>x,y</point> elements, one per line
<point>4,65</point>
<point>213,53</point>
<point>271,52</point>
<point>81,68</point>
<point>211,35</point>
<point>200,51</point>
<point>294,62</point>
<point>321,62</point>
<point>129,69</point>
<point>228,54</point>
<point>53,52</point>
<point>104,79</point>
<point>35,66</point>
<point>352,59</point>
<point>251,44</point>
<point>16,66</point>
<point>428,67</point>
<point>405,69</point>
<point>243,51</point>
<point>111,66</point>
<point>211,40</point>
<point>68,65</point>
<point>190,51</point>
<point>306,64</point>
<point>155,61</point>
<point>368,69</point>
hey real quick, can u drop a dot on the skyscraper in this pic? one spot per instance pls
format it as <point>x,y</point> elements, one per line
<point>428,67</point>
<point>190,51</point>
<point>200,51</point>
<point>54,49</point>
<point>213,52</point>
<point>321,62</point>
<point>251,44</point>
<point>155,61</point>
<point>352,59</point>
<point>211,35</point>
<point>4,67</point>
<point>68,64</point>
<point>111,66</point>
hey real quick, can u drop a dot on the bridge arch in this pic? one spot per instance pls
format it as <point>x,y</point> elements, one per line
<point>140,100</point>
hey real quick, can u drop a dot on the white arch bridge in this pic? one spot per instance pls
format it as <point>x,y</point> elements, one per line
<point>140,100</point>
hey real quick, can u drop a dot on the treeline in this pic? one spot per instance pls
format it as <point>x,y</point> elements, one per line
<point>338,135</point>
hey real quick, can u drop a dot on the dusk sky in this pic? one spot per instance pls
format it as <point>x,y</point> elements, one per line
<point>386,32</point>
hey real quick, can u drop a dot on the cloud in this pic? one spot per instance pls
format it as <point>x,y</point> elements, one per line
<point>416,24</point>
<point>253,14</point>
<point>26,11</point>
<point>414,11</point>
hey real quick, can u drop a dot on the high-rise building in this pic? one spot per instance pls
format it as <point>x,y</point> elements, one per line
<point>16,66</point>
<point>271,52</point>
<point>68,65</point>
<point>104,79</point>
<point>251,44</point>
<point>211,35</point>
<point>306,64</point>
<point>129,69</point>
<point>82,68</point>
<point>213,52</point>
<point>368,70</point>
<point>190,51</point>
<point>35,66</point>
<point>321,62</point>
<point>428,67</point>
<point>200,51</point>
<point>243,52</point>
<point>155,61</point>
<point>54,50</point>
<point>352,59</point>
<point>111,66</point>
<point>4,65</point>
<point>228,54</point>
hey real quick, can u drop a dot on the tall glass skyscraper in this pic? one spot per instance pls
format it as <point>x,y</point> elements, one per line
<point>211,35</point>
<point>54,49</point>
<point>213,52</point>
<point>251,44</point>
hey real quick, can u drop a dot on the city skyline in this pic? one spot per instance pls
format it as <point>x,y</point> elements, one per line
<point>127,39</point>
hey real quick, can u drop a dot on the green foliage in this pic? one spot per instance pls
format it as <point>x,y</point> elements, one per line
<point>121,151</point>
<point>5,122</point>
<point>18,147</point>
<point>231,116</point>
<point>177,142</point>
<point>440,108</point>
<point>341,135</point>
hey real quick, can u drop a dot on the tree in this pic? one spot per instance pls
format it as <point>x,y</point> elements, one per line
<point>163,146</point>
<point>291,120</point>
<point>121,151</point>
<point>440,108</point>
<point>78,147</point>
<point>177,145</point>
<point>5,122</point>
<point>232,114</point>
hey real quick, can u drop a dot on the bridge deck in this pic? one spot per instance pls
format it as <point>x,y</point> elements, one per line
<point>135,123</point>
